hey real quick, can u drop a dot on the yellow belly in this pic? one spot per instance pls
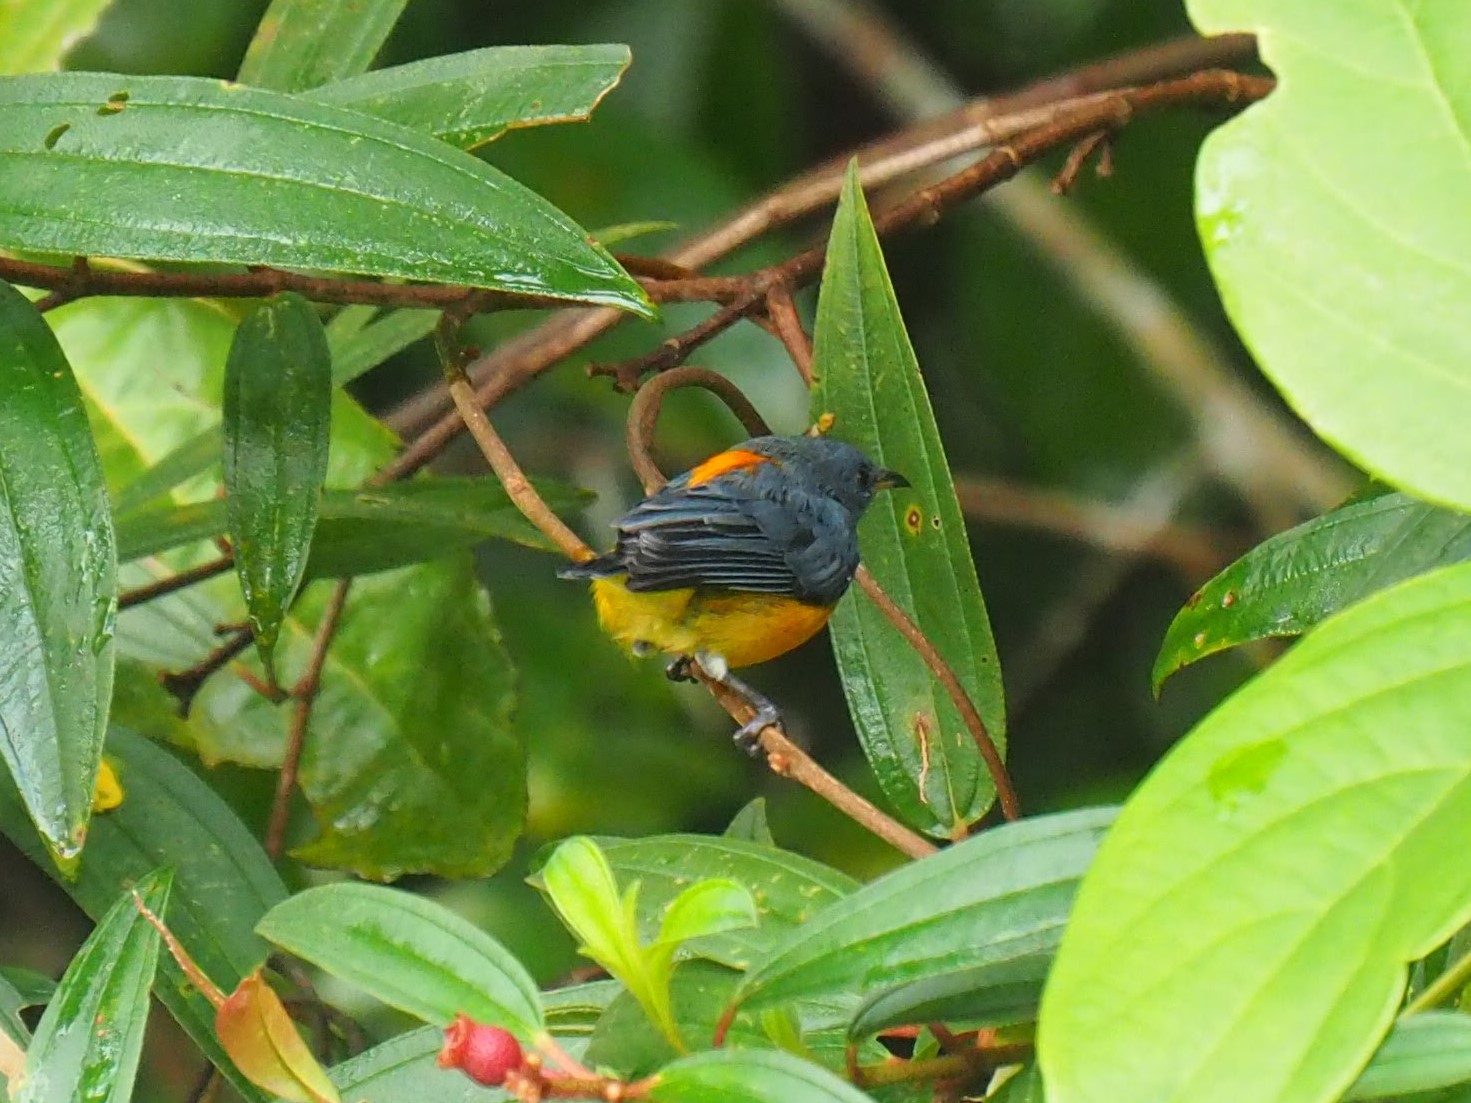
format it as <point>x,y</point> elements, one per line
<point>743,628</point>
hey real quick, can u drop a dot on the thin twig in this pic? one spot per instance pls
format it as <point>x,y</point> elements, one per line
<point>783,314</point>
<point>982,122</point>
<point>1194,553</point>
<point>185,684</point>
<point>643,415</point>
<point>944,674</point>
<point>926,206</point>
<point>174,582</point>
<point>305,694</point>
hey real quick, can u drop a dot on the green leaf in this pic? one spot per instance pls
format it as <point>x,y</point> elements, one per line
<point>789,889</point>
<point>409,952</point>
<point>1024,1087</point>
<point>222,884</point>
<point>1422,1053</point>
<point>303,43</point>
<point>470,98</point>
<point>1346,279</point>
<point>33,989</point>
<point>155,485</point>
<point>374,343</point>
<point>749,824</point>
<point>866,376</point>
<point>1293,580</point>
<point>89,1040</point>
<point>277,424</point>
<point>994,994</point>
<point>186,169</point>
<point>363,531</point>
<point>38,34</point>
<point>707,908</point>
<point>750,1076</point>
<point>1001,896</point>
<point>577,1008</point>
<point>580,884</point>
<point>1252,911</point>
<point>59,596</point>
<point>12,1003</point>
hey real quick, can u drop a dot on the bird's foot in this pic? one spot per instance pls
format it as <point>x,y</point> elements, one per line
<point>679,670</point>
<point>748,738</point>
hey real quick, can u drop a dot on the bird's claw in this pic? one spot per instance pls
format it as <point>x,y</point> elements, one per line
<point>748,737</point>
<point>679,670</point>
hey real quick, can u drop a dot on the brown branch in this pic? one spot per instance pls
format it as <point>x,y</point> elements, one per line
<point>305,694</point>
<point>1106,113</point>
<point>185,684</point>
<point>976,124</point>
<point>788,325</point>
<point>944,674</point>
<point>1193,552</point>
<point>518,487</point>
<point>643,415</point>
<point>137,596</point>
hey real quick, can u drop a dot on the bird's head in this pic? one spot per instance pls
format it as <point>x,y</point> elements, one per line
<point>833,467</point>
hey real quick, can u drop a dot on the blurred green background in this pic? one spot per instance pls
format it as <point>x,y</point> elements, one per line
<point>725,99</point>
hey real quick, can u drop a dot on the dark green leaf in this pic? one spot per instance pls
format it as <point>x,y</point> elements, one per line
<point>750,1076</point>
<point>865,375</point>
<point>12,1003</point>
<point>38,33</point>
<point>1288,583</point>
<point>223,881</point>
<point>277,424</point>
<point>1024,1087</point>
<point>1253,910</point>
<point>1422,1053</point>
<point>31,988</point>
<point>467,99</point>
<point>363,531</point>
<point>375,342</point>
<point>89,1039</point>
<point>58,582</point>
<point>789,889</point>
<point>303,43</point>
<point>997,993</point>
<point>410,952</point>
<point>1002,896</point>
<point>577,1008</point>
<point>178,168</point>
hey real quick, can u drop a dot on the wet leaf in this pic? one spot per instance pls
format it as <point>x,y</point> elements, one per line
<point>1346,279</point>
<point>410,952</point>
<point>222,880</point>
<point>58,582</point>
<point>865,375</point>
<point>1293,580</point>
<point>1252,912</point>
<point>467,99</point>
<point>89,1040</point>
<point>185,169</point>
<point>1002,896</point>
<point>301,44</point>
<point>277,424</point>
<point>266,1047</point>
<point>38,34</point>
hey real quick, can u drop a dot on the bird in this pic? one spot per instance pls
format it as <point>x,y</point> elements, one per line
<point>738,560</point>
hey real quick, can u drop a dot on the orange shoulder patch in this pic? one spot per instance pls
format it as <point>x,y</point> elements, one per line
<point>734,459</point>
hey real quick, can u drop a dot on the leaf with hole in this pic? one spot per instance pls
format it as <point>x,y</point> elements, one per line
<point>408,951</point>
<point>1293,580</point>
<point>866,376</point>
<point>1252,912</point>
<point>58,582</point>
<point>186,169</point>
<point>467,99</point>
<point>89,1040</point>
<point>277,425</point>
<point>1346,275</point>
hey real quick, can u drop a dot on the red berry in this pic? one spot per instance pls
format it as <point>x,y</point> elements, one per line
<point>484,1053</point>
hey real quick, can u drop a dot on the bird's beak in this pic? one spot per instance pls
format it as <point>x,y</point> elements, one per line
<point>888,480</point>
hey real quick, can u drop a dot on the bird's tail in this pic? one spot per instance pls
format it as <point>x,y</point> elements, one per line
<point>604,566</point>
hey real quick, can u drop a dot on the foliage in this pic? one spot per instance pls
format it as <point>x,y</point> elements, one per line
<point>257,652</point>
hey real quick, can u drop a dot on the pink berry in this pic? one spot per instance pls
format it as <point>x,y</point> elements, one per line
<point>483,1053</point>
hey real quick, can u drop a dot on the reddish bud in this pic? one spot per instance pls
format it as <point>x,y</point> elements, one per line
<point>483,1053</point>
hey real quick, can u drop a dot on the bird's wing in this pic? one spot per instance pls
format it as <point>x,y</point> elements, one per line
<point>720,532</point>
